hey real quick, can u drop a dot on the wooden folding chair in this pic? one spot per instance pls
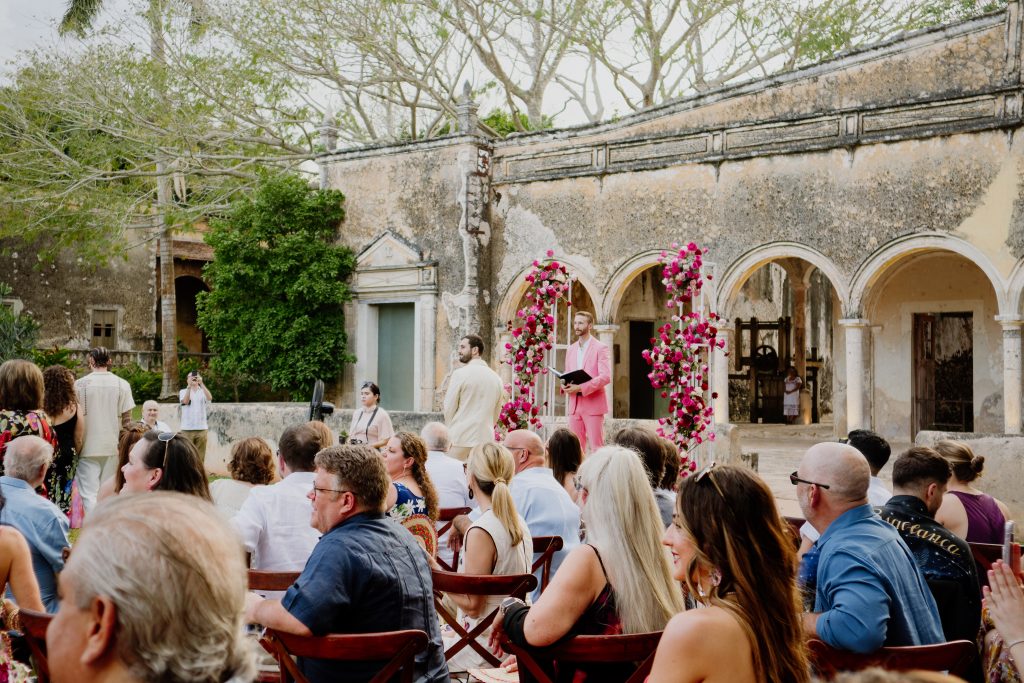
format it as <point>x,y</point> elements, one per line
<point>33,628</point>
<point>516,585</point>
<point>636,648</point>
<point>260,580</point>
<point>546,546</point>
<point>954,657</point>
<point>397,648</point>
<point>445,519</point>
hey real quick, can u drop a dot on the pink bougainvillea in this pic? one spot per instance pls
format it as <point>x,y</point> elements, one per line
<point>680,354</point>
<point>548,281</point>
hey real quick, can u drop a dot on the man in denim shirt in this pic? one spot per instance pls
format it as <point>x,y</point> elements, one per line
<point>367,574</point>
<point>870,592</point>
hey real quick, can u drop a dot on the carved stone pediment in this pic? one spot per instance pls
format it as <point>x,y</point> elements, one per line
<point>391,265</point>
<point>389,251</point>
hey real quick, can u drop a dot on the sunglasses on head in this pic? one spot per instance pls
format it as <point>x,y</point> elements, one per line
<point>166,437</point>
<point>706,475</point>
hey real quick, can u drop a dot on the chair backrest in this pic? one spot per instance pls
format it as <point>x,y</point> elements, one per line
<point>954,657</point>
<point>260,580</point>
<point>637,648</point>
<point>422,529</point>
<point>444,520</point>
<point>33,627</point>
<point>516,585</point>
<point>546,547</point>
<point>397,648</point>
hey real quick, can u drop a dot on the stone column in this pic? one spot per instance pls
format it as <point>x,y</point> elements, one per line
<point>720,376</point>
<point>606,335</point>
<point>504,336</point>
<point>1011,373</point>
<point>858,403</point>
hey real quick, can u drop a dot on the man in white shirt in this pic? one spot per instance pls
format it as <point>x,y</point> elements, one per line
<point>106,404</point>
<point>194,401</point>
<point>473,401</point>
<point>150,417</point>
<point>540,499</point>
<point>274,521</point>
<point>449,477</point>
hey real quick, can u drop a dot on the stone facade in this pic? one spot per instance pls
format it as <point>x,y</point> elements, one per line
<point>893,171</point>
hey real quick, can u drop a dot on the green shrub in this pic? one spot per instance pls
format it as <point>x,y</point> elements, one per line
<point>145,384</point>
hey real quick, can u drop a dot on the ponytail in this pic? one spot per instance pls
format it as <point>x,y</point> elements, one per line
<point>414,447</point>
<point>492,466</point>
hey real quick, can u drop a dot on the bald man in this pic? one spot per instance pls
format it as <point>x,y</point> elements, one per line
<point>540,499</point>
<point>869,592</point>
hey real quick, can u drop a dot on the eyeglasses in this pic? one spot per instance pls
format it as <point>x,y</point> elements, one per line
<point>794,480</point>
<point>166,438</point>
<point>705,474</point>
<point>317,489</point>
<point>366,384</point>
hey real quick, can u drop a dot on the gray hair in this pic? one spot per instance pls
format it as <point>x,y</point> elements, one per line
<point>150,402</point>
<point>176,574</point>
<point>435,434</point>
<point>25,456</point>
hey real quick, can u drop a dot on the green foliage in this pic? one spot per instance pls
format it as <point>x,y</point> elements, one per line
<point>279,283</point>
<point>18,333</point>
<point>145,384</point>
<point>56,355</point>
<point>503,123</point>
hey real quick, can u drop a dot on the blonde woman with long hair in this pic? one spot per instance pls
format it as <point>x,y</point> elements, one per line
<point>498,543</point>
<point>619,581</point>
<point>729,546</point>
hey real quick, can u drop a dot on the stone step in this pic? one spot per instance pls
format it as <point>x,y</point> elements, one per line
<point>824,431</point>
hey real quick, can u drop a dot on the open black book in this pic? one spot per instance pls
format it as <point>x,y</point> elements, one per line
<point>574,377</point>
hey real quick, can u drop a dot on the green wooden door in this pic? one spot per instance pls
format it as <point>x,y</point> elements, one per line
<point>396,331</point>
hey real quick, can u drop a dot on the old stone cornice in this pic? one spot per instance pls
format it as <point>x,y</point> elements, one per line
<point>941,115</point>
<point>391,148</point>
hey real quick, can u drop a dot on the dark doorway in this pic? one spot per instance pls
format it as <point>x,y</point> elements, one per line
<point>186,288</point>
<point>641,395</point>
<point>943,372</point>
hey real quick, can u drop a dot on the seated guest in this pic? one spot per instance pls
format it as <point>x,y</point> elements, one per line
<point>726,533</point>
<point>40,521</point>
<point>252,464</point>
<point>327,438</point>
<point>154,591</point>
<point>539,498</point>
<point>648,445</point>
<point>274,520</point>
<point>966,511</point>
<point>366,574</point>
<point>620,581</point>
<point>869,592</point>
<point>411,491</point>
<point>919,479</point>
<point>448,476</point>
<point>1004,647</point>
<point>498,543</point>
<point>165,461</point>
<point>876,451</point>
<point>565,455</point>
<point>150,413</point>
<point>130,436</point>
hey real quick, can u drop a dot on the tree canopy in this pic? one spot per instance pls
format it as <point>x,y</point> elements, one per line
<point>279,283</point>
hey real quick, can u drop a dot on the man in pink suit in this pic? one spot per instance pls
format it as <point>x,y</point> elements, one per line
<point>587,402</point>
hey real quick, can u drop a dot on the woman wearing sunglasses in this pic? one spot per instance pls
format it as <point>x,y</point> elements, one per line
<point>165,461</point>
<point>732,552</point>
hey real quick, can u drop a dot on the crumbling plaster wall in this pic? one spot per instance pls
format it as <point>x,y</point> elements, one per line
<point>60,295</point>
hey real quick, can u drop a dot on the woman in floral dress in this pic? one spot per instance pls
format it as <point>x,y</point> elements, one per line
<point>21,404</point>
<point>411,492</point>
<point>61,406</point>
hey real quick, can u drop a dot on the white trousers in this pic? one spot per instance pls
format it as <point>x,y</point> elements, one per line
<point>92,472</point>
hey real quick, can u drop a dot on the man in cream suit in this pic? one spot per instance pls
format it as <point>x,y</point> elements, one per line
<point>474,398</point>
<point>587,403</point>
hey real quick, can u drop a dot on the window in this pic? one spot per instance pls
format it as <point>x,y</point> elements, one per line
<point>104,328</point>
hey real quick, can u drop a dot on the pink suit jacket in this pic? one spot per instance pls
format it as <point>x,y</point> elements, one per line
<point>596,362</point>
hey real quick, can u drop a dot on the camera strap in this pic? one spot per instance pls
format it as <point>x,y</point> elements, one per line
<point>366,431</point>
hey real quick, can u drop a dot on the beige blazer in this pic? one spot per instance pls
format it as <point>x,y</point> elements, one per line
<point>472,404</point>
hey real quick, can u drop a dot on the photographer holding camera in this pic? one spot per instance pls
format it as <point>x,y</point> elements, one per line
<point>371,424</point>
<point>194,401</point>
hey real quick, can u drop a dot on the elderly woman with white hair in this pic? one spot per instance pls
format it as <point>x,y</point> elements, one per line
<point>619,581</point>
<point>154,591</point>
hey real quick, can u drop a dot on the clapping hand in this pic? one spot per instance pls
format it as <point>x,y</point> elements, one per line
<point>1005,601</point>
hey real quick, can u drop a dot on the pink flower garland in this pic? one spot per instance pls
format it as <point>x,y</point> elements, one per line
<point>679,356</point>
<point>549,281</point>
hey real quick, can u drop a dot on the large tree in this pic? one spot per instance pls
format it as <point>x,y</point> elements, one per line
<point>279,284</point>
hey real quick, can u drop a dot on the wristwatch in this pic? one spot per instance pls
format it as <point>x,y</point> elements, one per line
<point>509,602</point>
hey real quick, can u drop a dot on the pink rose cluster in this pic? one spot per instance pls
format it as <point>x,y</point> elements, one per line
<point>549,282</point>
<point>680,354</point>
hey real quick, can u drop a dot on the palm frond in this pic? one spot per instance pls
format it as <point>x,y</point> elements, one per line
<point>79,16</point>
